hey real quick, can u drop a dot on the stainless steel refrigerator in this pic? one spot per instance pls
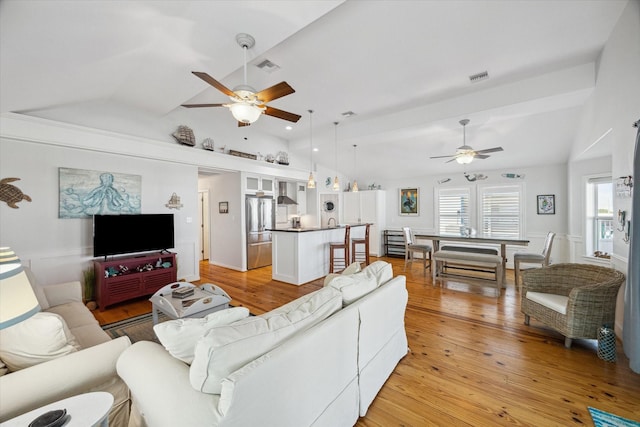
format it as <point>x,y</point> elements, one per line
<point>260,217</point>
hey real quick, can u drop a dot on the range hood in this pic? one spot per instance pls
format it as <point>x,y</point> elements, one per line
<point>283,199</point>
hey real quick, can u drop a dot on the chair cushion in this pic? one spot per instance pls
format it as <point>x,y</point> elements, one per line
<point>225,349</point>
<point>425,248</point>
<point>42,337</point>
<point>180,336</point>
<point>554,302</point>
<point>527,257</point>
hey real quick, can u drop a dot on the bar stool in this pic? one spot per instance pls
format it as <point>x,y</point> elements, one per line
<point>363,255</point>
<point>337,263</point>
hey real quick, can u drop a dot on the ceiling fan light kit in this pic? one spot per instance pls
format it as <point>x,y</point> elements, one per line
<point>247,105</point>
<point>465,154</point>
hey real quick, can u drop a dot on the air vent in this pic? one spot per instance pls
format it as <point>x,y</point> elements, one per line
<point>348,114</point>
<point>268,66</point>
<point>478,77</point>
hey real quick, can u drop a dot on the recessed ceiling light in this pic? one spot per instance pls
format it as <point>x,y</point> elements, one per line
<point>288,127</point>
<point>315,149</point>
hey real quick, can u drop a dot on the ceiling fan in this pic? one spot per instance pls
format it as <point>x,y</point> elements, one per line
<point>465,154</point>
<point>247,105</point>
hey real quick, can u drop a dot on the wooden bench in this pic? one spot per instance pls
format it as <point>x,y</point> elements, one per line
<point>463,259</point>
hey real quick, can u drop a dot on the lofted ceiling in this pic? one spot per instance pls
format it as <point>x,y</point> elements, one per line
<point>402,67</point>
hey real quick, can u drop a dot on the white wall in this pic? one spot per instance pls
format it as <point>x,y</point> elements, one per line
<point>550,179</point>
<point>613,107</point>
<point>59,249</point>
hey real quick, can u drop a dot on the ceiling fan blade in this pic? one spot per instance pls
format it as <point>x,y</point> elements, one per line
<point>489,150</point>
<point>275,92</point>
<point>284,115</point>
<point>442,157</point>
<point>241,124</point>
<point>202,105</point>
<point>449,161</point>
<point>481,156</point>
<point>213,82</point>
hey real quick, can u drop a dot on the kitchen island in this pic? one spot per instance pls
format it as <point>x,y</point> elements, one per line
<point>300,255</point>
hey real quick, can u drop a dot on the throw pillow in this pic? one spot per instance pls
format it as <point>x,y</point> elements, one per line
<point>225,349</point>
<point>42,337</point>
<point>354,287</point>
<point>179,336</point>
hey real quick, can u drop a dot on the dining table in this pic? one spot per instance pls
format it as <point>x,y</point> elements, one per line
<point>473,240</point>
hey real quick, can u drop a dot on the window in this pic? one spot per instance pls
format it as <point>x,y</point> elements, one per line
<point>497,212</point>
<point>453,210</point>
<point>599,232</point>
<point>500,214</point>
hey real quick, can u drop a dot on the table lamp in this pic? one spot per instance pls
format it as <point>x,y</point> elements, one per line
<point>17,300</point>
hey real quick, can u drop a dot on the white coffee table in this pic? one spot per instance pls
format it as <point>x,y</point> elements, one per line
<point>83,410</point>
<point>206,299</point>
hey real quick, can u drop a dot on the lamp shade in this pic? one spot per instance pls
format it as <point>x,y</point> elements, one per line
<point>245,112</point>
<point>17,300</point>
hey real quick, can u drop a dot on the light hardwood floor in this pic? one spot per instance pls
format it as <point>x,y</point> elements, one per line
<point>472,362</point>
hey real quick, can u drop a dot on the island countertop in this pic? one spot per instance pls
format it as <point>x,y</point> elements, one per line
<point>308,229</point>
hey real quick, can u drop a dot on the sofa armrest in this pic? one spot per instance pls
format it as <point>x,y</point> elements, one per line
<point>63,293</point>
<point>76,373</point>
<point>161,390</point>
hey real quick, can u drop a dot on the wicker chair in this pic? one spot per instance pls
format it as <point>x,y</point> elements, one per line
<point>587,294</point>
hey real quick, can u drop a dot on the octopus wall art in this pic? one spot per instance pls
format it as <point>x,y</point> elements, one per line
<point>84,193</point>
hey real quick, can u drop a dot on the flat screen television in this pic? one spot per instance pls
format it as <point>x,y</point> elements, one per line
<point>123,234</point>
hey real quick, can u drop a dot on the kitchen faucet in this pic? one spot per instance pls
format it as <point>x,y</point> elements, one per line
<point>329,222</point>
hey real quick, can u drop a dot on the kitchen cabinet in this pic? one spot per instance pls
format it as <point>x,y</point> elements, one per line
<point>255,184</point>
<point>367,207</point>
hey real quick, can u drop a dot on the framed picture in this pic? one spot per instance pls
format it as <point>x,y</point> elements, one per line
<point>546,204</point>
<point>409,201</point>
<point>223,207</point>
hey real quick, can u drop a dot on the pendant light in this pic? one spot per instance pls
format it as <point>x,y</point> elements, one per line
<point>355,170</point>
<point>336,183</point>
<point>312,182</point>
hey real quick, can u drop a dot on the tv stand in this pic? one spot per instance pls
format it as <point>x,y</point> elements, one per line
<point>125,278</point>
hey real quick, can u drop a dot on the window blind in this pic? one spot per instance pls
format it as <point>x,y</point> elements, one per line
<point>500,213</point>
<point>453,210</point>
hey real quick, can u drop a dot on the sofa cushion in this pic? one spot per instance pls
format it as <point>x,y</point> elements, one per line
<point>224,349</point>
<point>554,302</point>
<point>380,270</point>
<point>40,338</point>
<point>179,336</point>
<point>3,368</point>
<point>354,267</point>
<point>354,286</point>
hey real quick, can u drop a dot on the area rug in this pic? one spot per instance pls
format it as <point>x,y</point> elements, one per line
<point>139,328</point>
<point>605,419</point>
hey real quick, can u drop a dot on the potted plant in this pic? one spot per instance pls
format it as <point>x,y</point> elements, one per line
<point>89,288</point>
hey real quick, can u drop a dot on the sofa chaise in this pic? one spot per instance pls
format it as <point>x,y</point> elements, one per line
<point>326,373</point>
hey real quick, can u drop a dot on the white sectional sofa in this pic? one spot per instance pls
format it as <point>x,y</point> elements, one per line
<point>326,373</point>
<point>87,362</point>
